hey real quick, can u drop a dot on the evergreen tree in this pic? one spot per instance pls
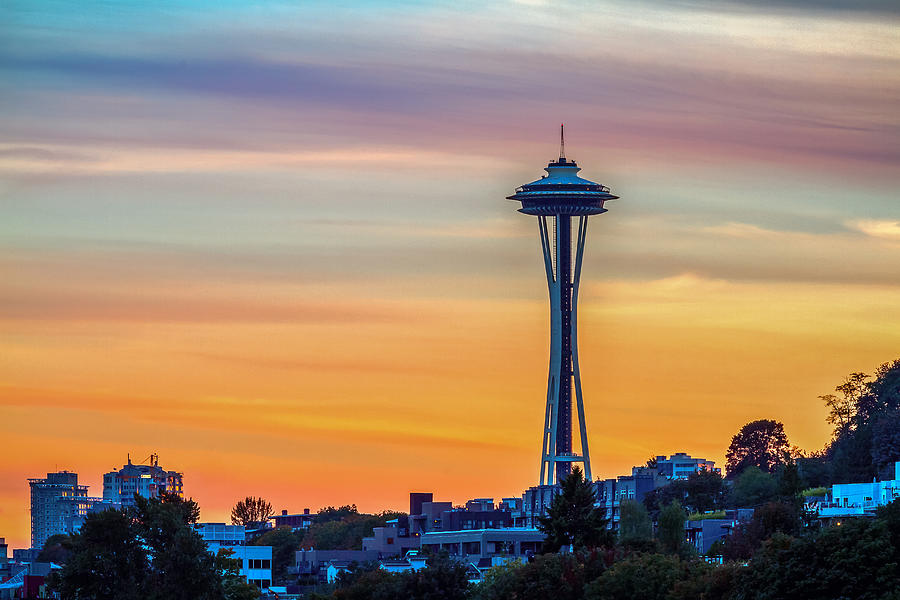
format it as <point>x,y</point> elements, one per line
<point>572,520</point>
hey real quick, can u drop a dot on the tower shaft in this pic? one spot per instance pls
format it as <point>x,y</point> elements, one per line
<point>563,281</point>
<point>564,405</point>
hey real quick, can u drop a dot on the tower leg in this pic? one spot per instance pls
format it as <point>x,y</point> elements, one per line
<point>582,423</point>
<point>549,436</point>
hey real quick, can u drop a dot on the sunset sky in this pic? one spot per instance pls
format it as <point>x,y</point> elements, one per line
<point>269,241</point>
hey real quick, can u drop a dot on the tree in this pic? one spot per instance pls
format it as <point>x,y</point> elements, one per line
<point>557,576</point>
<point>182,567</point>
<point>234,585</point>
<point>844,408</point>
<point>284,543</point>
<point>108,561</point>
<point>761,443</point>
<point>441,579</point>
<point>886,442</point>
<point>251,512</point>
<point>769,519</point>
<point>572,519</point>
<point>345,534</point>
<point>670,529</point>
<point>753,488</point>
<point>330,513</point>
<point>788,476</point>
<point>644,576</point>
<point>704,490</point>
<point>850,455</point>
<point>854,560</point>
<point>883,393</point>
<point>147,552</point>
<point>57,549</point>
<point>635,527</point>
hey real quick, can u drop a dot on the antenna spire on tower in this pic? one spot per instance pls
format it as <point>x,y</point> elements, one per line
<point>562,142</point>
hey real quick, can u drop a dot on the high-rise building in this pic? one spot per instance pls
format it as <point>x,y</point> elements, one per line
<point>145,480</point>
<point>557,199</point>
<point>57,505</point>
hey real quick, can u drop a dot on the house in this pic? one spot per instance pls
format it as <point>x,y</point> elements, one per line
<point>860,499</point>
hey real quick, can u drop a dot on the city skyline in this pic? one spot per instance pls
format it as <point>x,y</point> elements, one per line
<point>271,243</point>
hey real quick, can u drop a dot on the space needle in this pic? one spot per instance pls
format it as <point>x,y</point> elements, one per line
<point>557,199</point>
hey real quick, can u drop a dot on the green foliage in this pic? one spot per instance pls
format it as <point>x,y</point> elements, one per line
<point>761,443</point>
<point>555,576</point>
<point>882,394</point>
<point>108,561</point>
<point>182,567</point>
<point>645,576</point>
<point>345,534</point>
<point>812,492</point>
<point>752,488</point>
<point>670,528</point>
<point>769,519</point>
<point>442,579</point>
<point>57,549</point>
<point>635,527</point>
<point>571,519</point>
<point>850,456</point>
<point>716,514</point>
<point>234,586</point>
<point>866,447</point>
<point>149,552</point>
<point>815,469</point>
<point>855,560</point>
<point>251,512</point>
<point>886,442</point>
<point>284,544</point>
<point>330,513</point>
<point>788,476</point>
<point>842,410</point>
<point>702,491</point>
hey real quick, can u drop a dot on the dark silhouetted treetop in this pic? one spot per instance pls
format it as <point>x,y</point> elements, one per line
<point>330,513</point>
<point>883,393</point>
<point>762,444</point>
<point>251,512</point>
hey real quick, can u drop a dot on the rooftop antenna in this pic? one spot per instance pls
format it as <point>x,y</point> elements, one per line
<point>562,143</point>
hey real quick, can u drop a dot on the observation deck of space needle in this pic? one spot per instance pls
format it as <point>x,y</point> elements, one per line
<point>560,196</point>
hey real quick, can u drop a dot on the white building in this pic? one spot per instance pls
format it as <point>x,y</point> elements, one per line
<point>680,465</point>
<point>145,480</point>
<point>861,499</point>
<point>255,561</point>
